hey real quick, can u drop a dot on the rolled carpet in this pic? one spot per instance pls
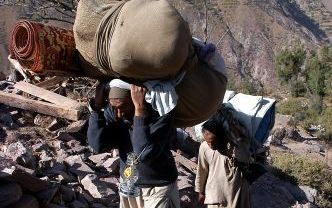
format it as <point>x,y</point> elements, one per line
<point>40,47</point>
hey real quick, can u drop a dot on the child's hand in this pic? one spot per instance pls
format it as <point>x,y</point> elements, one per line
<point>201,198</point>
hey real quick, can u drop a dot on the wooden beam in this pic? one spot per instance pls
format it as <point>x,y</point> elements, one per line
<point>39,106</point>
<point>190,165</point>
<point>51,82</point>
<point>19,68</point>
<point>47,95</point>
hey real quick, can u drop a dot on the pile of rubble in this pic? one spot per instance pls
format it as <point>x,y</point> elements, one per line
<point>46,162</point>
<point>54,169</point>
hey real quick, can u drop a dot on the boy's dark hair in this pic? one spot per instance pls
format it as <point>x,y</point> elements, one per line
<point>215,126</point>
<point>221,124</point>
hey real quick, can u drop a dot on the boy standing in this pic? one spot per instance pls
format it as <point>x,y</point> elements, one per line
<point>219,181</point>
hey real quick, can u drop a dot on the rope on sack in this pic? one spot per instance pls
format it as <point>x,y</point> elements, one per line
<point>104,35</point>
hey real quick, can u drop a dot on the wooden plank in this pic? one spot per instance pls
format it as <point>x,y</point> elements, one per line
<point>39,106</point>
<point>19,68</point>
<point>47,95</point>
<point>190,165</point>
<point>51,82</point>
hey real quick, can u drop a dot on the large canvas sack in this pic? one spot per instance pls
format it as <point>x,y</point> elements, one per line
<point>200,94</point>
<point>151,40</point>
<point>141,39</point>
<point>88,16</point>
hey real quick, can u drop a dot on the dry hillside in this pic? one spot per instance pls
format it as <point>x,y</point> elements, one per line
<point>249,33</point>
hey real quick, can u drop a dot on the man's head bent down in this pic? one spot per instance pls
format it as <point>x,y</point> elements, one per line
<point>119,97</point>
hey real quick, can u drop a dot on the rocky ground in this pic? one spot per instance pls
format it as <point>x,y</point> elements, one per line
<point>285,138</point>
<point>45,162</point>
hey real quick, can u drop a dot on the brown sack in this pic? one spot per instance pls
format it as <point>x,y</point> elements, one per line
<point>149,39</point>
<point>200,94</point>
<point>88,16</point>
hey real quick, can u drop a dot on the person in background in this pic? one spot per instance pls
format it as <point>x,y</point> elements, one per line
<point>148,172</point>
<point>219,180</point>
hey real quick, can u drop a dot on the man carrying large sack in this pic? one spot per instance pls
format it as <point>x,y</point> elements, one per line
<point>148,40</point>
<point>148,172</point>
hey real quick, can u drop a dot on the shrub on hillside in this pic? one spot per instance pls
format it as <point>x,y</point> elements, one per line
<point>326,59</point>
<point>289,63</point>
<point>297,87</point>
<point>307,112</point>
<point>318,72</point>
<point>309,117</point>
<point>326,118</point>
<point>250,87</point>
<point>293,106</point>
<point>315,72</point>
<point>305,170</point>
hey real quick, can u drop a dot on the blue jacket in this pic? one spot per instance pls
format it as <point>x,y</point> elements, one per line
<point>157,166</point>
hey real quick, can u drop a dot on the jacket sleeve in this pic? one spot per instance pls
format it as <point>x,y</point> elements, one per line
<point>99,132</point>
<point>152,138</point>
<point>202,170</point>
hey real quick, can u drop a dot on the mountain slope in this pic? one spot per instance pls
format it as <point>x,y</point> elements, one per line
<point>321,12</point>
<point>252,32</point>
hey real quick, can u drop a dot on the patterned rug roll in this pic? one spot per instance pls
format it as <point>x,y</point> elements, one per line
<point>41,48</point>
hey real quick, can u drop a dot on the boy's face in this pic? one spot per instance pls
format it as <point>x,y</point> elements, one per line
<point>211,139</point>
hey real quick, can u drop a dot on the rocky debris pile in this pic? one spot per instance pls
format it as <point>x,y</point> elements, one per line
<point>47,163</point>
<point>56,167</point>
<point>54,151</point>
<point>19,187</point>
